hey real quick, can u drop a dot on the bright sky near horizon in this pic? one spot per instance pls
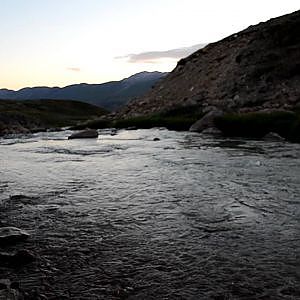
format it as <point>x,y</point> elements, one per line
<point>61,42</point>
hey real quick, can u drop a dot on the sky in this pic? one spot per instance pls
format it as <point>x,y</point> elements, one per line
<point>62,42</point>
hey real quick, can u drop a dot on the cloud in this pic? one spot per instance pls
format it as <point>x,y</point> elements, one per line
<point>155,56</point>
<point>73,69</point>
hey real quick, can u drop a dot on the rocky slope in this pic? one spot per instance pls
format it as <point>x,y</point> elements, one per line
<point>110,95</point>
<point>255,69</point>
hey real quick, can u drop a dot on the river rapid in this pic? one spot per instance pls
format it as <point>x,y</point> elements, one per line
<point>125,217</point>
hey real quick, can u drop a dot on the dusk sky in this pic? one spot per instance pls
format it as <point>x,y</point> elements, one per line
<point>61,42</point>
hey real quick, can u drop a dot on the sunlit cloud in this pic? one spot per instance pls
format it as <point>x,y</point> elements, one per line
<point>73,69</point>
<point>154,57</point>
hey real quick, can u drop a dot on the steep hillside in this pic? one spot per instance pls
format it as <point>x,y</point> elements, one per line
<point>110,95</point>
<point>255,69</point>
<point>33,115</point>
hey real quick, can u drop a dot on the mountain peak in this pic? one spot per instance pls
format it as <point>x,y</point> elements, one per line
<point>145,75</point>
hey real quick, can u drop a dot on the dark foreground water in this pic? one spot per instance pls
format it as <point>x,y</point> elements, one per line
<point>125,217</point>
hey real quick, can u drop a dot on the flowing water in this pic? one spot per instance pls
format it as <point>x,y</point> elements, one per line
<point>126,217</point>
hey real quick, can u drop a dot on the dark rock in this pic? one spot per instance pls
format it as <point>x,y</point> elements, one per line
<point>5,257</point>
<point>206,122</point>
<point>54,129</point>
<point>212,131</point>
<point>23,257</point>
<point>208,109</point>
<point>85,134</point>
<point>156,139</point>
<point>10,235</point>
<point>131,128</point>
<point>4,284</point>
<point>8,291</point>
<point>273,136</point>
<point>38,129</point>
<point>23,199</point>
<point>18,258</point>
<point>17,197</point>
<point>15,285</point>
<point>10,294</point>
<point>113,132</point>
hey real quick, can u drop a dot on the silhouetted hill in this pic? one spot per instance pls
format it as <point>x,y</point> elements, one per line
<point>110,95</point>
<point>35,115</point>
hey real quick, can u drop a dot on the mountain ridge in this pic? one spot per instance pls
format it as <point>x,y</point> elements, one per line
<point>109,95</point>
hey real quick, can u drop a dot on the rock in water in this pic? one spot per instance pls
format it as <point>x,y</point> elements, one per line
<point>7,291</point>
<point>85,134</point>
<point>273,137</point>
<point>207,121</point>
<point>212,131</point>
<point>4,284</point>
<point>12,235</point>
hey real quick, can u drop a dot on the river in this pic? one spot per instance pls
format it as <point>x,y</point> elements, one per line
<point>126,217</point>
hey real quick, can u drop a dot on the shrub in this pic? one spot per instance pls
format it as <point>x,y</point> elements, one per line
<point>146,122</point>
<point>93,124</point>
<point>256,125</point>
<point>176,118</point>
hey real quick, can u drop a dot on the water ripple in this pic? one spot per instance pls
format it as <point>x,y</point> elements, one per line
<point>189,217</point>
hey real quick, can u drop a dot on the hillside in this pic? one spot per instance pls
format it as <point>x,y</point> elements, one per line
<point>253,70</point>
<point>33,115</point>
<point>110,95</point>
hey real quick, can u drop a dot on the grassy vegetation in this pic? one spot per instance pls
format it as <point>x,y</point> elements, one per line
<point>93,124</point>
<point>46,113</point>
<point>179,118</point>
<point>256,125</point>
<point>172,123</point>
<point>58,113</point>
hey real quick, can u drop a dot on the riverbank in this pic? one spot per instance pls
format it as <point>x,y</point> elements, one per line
<point>229,124</point>
<point>40,115</point>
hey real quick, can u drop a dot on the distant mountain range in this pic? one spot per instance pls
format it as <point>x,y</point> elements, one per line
<point>110,95</point>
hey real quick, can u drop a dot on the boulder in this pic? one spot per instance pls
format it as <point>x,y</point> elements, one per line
<point>4,284</point>
<point>10,235</point>
<point>10,294</point>
<point>131,128</point>
<point>208,109</point>
<point>212,131</point>
<point>7,291</point>
<point>207,121</point>
<point>273,136</point>
<point>85,134</point>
